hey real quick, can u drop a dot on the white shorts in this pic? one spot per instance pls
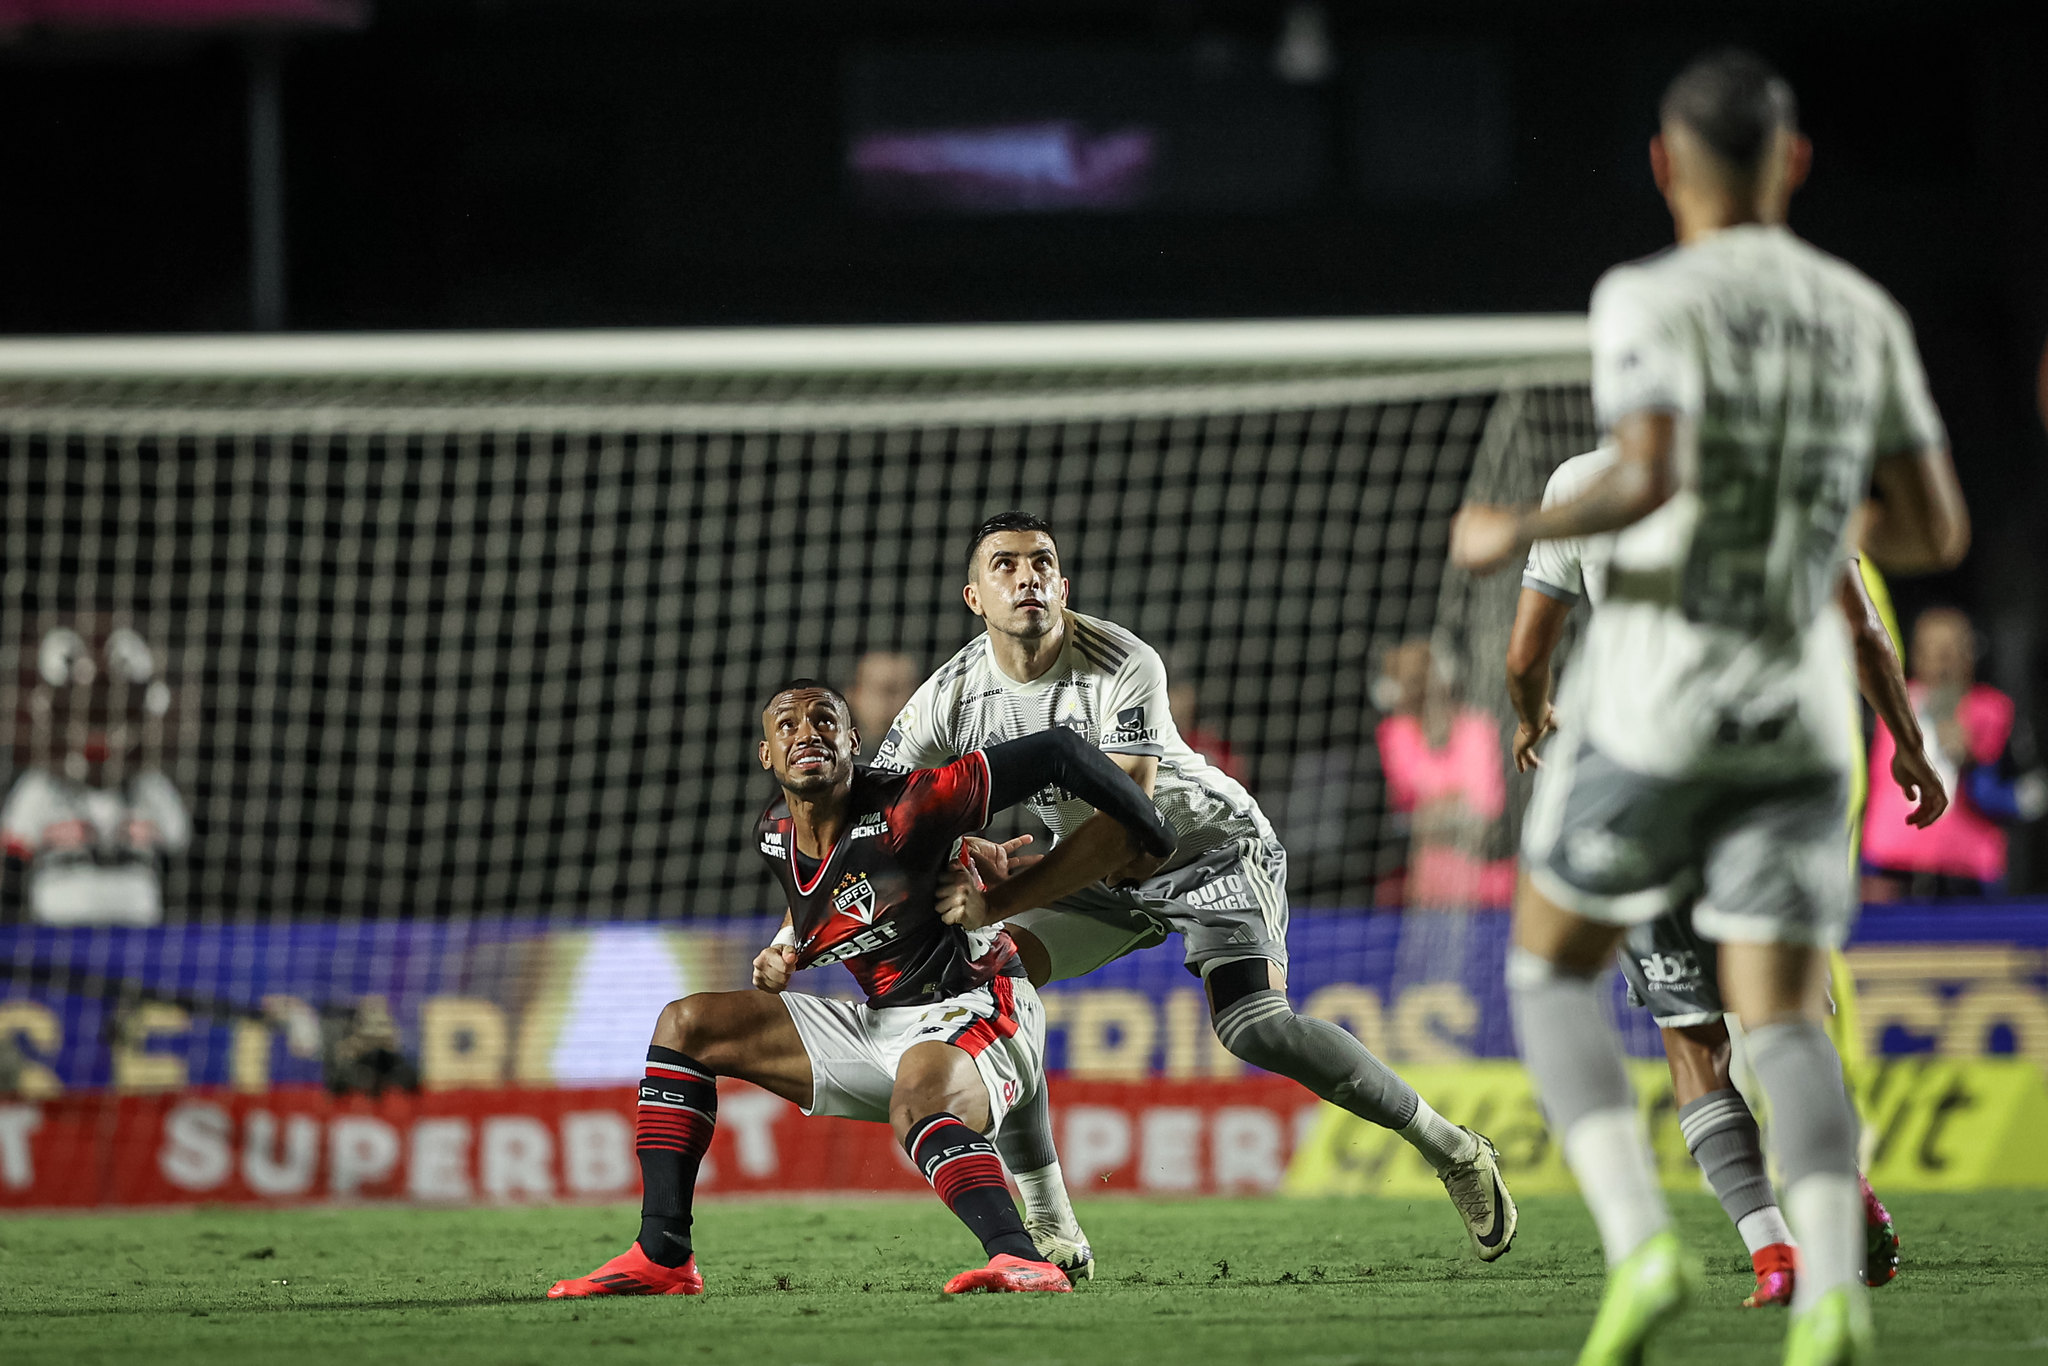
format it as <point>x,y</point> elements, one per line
<point>855,1049</point>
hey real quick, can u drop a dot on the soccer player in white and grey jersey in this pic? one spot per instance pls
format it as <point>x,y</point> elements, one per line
<point>1223,890</point>
<point>1670,969</point>
<point>1754,389</point>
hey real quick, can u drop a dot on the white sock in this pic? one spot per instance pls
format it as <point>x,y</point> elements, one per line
<point>1045,1200</point>
<point>1441,1142</point>
<point>1609,1152</point>
<point>1762,1227</point>
<point>1827,1212</point>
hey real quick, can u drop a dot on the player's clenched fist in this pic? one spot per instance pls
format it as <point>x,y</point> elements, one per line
<point>960,902</point>
<point>772,967</point>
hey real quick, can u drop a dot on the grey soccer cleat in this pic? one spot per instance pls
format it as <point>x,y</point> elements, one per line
<point>1482,1199</point>
<point>1068,1250</point>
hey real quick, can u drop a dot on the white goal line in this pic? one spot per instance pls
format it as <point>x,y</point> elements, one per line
<point>1306,341</point>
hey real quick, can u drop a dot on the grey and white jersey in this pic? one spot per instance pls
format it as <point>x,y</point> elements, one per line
<point>1109,686</point>
<point>1790,374</point>
<point>1576,567</point>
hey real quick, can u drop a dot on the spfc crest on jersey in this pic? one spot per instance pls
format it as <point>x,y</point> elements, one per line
<point>855,896</point>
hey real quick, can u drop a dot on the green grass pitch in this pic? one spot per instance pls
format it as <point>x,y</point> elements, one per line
<point>1323,1282</point>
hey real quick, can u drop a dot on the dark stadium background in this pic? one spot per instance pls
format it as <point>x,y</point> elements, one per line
<point>538,163</point>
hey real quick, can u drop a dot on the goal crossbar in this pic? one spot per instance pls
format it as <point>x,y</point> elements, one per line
<point>1252,344</point>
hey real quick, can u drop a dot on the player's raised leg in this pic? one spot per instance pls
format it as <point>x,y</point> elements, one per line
<point>746,1034</point>
<point>1575,1058</point>
<point>941,1113</point>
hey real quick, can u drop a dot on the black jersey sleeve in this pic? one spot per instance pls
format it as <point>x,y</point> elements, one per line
<point>1060,758</point>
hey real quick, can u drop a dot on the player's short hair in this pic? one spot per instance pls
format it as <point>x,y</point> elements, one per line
<point>809,685</point>
<point>1001,522</point>
<point>1733,100</point>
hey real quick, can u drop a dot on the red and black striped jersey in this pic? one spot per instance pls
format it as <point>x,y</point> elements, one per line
<point>869,902</point>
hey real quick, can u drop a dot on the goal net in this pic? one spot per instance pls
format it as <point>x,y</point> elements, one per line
<point>383,651</point>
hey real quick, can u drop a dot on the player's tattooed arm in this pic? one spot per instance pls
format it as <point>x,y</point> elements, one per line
<point>1641,480</point>
<point>1882,681</point>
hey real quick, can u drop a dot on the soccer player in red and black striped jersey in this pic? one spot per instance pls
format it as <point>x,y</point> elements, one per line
<point>951,1036</point>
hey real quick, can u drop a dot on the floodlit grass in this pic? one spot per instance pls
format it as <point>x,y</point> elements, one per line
<point>1322,1282</point>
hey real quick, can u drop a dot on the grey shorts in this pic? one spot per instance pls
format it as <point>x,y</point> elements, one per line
<point>1672,971</point>
<point>1226,904</point>
<point>1759,861</point>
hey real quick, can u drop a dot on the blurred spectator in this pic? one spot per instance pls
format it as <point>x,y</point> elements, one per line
<point>1443,766</point>
<point>883,681</point>
<point>91,815</point>
<point>1990,771</point>
<point>1182,702</point>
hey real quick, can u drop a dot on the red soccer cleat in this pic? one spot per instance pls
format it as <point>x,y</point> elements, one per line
<point>1777,1267</point>
<point>1881,1240</point>
<point>632,1272</point>
<point>1005,1272</point>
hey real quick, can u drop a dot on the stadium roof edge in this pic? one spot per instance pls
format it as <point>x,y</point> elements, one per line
<point>823,349</point>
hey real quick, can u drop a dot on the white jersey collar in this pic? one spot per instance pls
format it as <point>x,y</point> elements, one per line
<point>1061,666</point>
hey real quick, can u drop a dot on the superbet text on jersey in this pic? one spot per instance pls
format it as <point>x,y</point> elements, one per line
<point>868,903</point>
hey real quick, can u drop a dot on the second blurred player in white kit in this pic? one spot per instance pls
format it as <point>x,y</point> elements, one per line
<point>1223,890</point>
<point>1755,389</point>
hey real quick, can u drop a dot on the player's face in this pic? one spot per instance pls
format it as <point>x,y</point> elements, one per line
<point>1017,588</point>
<point>808,741</point>
<point>1944,650</point>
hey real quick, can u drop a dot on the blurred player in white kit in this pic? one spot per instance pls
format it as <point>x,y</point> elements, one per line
<point>1671,971</point>
<point>1757,393</point>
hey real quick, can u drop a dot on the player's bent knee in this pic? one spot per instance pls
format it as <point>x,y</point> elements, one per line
<point>705,1025</point>
<point>1260,1028</point>
<point>936,1077</point>
<point>673,1025</point>
<point>1698,1057</point>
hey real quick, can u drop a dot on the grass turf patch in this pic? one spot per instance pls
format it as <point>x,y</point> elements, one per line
<point>1255,1280</point>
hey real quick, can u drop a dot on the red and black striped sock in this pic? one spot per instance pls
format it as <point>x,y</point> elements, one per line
<point>963,1168</point>
<point>678,1106</point>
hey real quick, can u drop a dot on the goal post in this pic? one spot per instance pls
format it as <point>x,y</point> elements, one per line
<point>472,628</point>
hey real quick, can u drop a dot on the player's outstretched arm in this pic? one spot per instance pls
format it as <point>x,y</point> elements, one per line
<point>1882,681</point>
<point>1641,480</point>
<point>1539,623</point>
<point>1061,758</point>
